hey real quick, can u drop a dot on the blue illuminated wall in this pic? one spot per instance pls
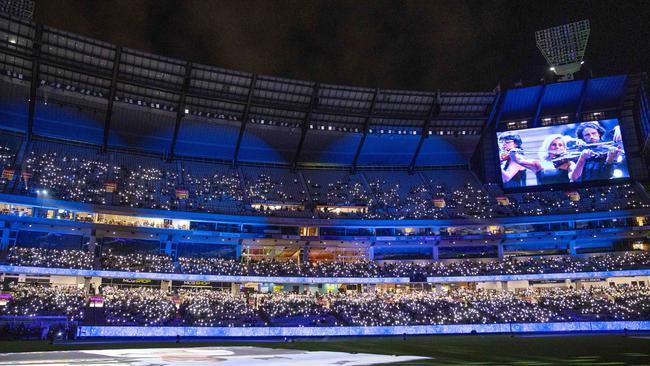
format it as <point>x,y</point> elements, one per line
<point>644,112</point>
<point>141,128</point>
<point>66,117</point>
<point>48,240</point>
<point>206,250</point>
<point>130,245</point>
<point>388,149</point>
<point>116,331</point>
<point>13,105</point>
<point>561,97</point>
<point>520,103</point>
<point>269,144</point>
<point>540,276</point>
<point>330,147</point>
<point>13,142</point>
<point>605,92</point>
<point>195,277</point>
<point>446,150</point>
<point>207,138</point>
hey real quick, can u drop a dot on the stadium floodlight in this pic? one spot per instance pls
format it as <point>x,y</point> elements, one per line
<point>564,47</point>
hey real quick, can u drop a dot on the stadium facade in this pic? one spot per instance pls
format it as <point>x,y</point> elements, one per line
<point>110,155</point>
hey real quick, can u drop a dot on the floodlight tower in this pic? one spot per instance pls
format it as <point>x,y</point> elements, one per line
<point>564,47</point>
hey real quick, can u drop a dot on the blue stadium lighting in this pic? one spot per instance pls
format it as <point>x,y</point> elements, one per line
<point>128,331</point>
<point>232,226</point>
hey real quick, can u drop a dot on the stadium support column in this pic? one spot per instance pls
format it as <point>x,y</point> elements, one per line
<point>238,249</point>
<point>4,240</point>
<point>436,252</point>
<point>581,101</point>
<point>366,126</point>
<point>166,285</point>
<point>36,49</point>
<point>572,248</point>
<point>235,289</point>
<point>500,250</point>
<point>111,96</point>
<point>305,253</point>
<point>538,110</point>
<point>92,242</point>
<point>180,111</point>
<point>370,253</point>
<point>244,119</point>
<point>433,112</point>
<point>166,243</point>
<point>305,124</point>
<point>485,165</point>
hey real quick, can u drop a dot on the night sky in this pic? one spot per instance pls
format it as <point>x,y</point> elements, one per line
<point>421,45</point>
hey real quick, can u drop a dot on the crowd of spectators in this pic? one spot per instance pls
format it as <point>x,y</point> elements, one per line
<point>137,306</point>
<point>30,301</point>
<point>212,266</point>
<point>66,176</point>
<point>150,306</point>
<point>148,183</point>
<point>417,271</point>
<point>54,258</point>
<point>605,198</point>
<point>515,265</point>
<point>265,189</point>
<point>7,158</point>
<point>138,262</point>
<point>459,306</point>
<point>212,308</point>
<point>346,193</point>
<point>214,192</point>
<point>292,310</point>
<point>146,187</point>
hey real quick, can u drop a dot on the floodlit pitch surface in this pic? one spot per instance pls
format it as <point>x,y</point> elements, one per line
<point>207,356</point>
<point>531,350</point>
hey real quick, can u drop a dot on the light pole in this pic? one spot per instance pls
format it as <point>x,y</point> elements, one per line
<point>563,47</point>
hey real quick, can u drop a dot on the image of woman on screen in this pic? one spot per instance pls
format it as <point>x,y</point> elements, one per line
<point>550,168</point>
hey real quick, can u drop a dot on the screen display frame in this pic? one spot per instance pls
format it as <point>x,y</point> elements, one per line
<point>542,167</point>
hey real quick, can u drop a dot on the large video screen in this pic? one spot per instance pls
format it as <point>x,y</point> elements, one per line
<point>577,152</point>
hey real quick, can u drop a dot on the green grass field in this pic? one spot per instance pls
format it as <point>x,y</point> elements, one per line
<point>443,350</point>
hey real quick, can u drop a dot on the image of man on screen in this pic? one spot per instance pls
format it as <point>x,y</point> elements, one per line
<point>512,174</point>
<point>596,161</point>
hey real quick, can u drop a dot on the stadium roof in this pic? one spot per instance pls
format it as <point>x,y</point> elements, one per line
<point>189,90</point>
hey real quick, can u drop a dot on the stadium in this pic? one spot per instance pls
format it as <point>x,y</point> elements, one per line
<point>148,197</point>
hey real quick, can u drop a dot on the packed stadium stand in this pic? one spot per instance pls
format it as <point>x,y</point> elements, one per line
<point>139,190</point>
